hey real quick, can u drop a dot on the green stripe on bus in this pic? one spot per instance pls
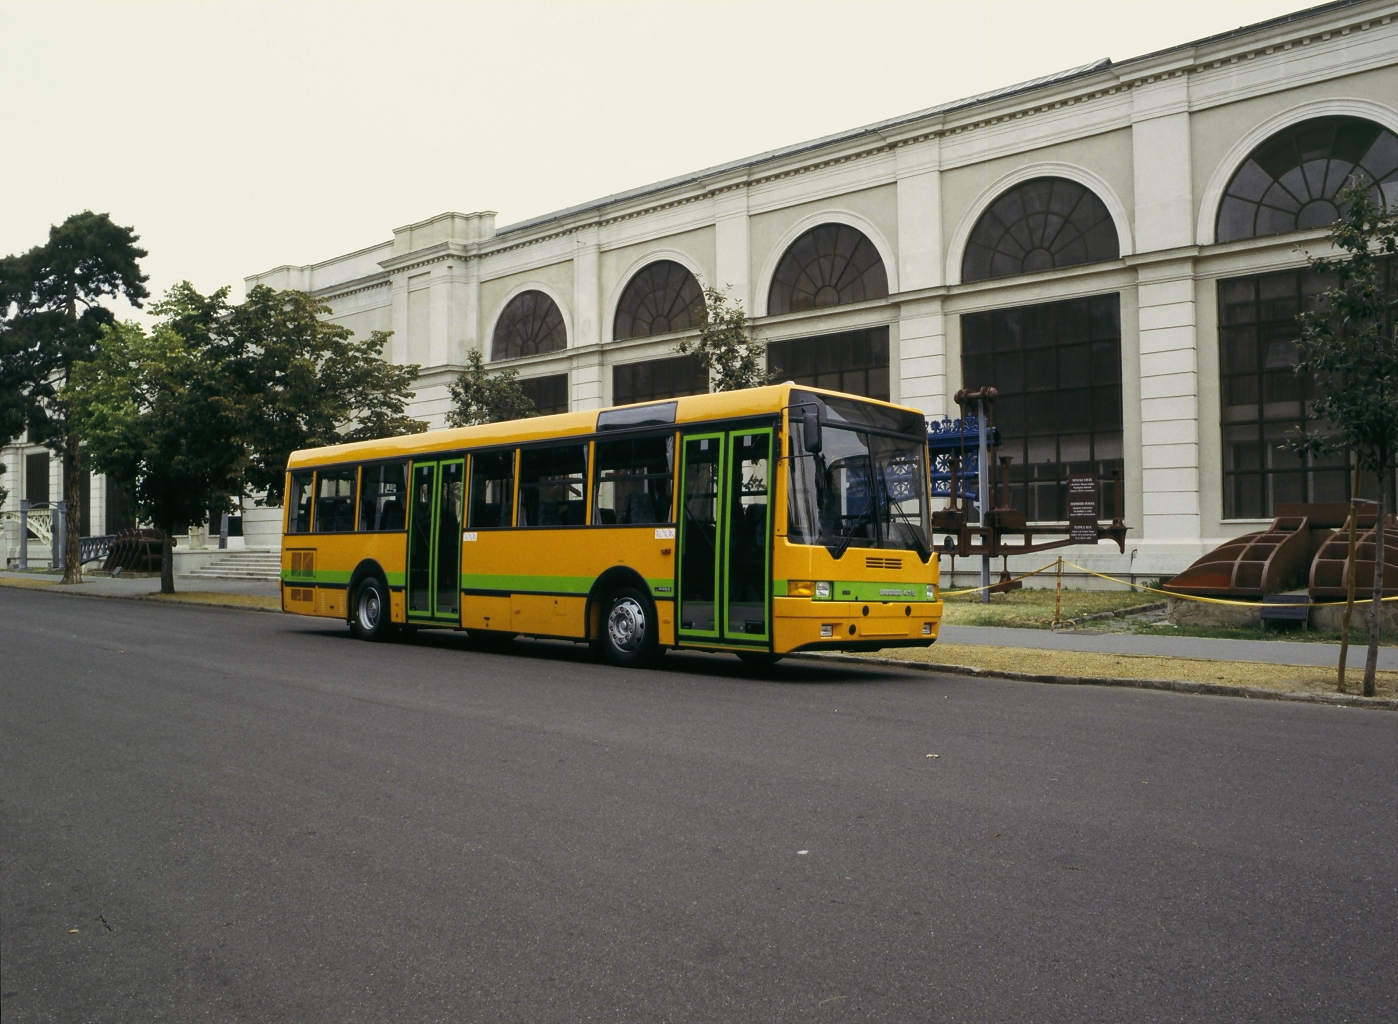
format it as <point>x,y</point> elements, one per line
<point>579,586</point>
<point>394,579</point>
<point>316,576</point>
<point>852,590</point>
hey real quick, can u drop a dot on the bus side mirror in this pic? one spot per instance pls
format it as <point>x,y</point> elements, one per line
<point>810,429</point>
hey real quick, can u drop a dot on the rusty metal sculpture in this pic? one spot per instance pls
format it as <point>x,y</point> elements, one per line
<point>137,550</point>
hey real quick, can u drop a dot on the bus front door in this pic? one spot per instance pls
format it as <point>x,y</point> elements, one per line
<point>725,539</point>
<point>434,541</point>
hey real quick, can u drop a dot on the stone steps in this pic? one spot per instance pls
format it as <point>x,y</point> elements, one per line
<point>242,565</point>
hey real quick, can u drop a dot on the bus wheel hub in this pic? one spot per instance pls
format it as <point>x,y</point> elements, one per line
<point>369,609</point>
<point>626,624</point>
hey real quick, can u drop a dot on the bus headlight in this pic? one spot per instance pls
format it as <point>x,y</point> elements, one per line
<point>823,589</point>
<point>931,591</point>
<point>827,630</point>
<point>800,588</point>
<point>927,629</point>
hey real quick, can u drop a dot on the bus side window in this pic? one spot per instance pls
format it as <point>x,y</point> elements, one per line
<point>383,497</point>
<point>298,500</point>
<point>634,481</point>
<point>492,489</point>
<point>335,500</point>
<point>552,486</point>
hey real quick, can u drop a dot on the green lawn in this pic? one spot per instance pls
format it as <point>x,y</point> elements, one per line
<point>1033,609</point>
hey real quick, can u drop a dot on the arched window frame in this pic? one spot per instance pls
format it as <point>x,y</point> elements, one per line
<point>511,297</point>
<point>1304,185</point>
<point>634,273</point>
<point>1074,228</point>
<point>1227,166</point>
<point>1044,169</point>
<point>874,281</point>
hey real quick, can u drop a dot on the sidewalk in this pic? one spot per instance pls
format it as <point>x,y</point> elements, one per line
<point>236,593</point>
<point>1270,652</point>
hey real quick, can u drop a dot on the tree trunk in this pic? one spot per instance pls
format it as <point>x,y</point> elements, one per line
<point>73,521</point>
<point>1349,574</point>
<point>1371,663</point>
<point>167,566</point>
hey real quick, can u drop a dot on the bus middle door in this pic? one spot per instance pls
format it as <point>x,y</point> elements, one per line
<point>725,548</point>
<point>434,541</point>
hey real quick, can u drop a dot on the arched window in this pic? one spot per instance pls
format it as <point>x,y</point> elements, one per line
<point>663,297</point>
<point>1042,224</point>
<point>529,326</point>
<point>1289,182</point>
<point>830,265</point>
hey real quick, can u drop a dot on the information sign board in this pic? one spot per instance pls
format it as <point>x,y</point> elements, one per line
<point>1082,508</point>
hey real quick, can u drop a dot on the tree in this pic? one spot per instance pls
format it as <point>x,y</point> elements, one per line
<point>161,410</point>
<point>731,357</point>
<point>479,396</point>
<point>51,318</point>
<point>1349,345</point>
<point>305,381</point>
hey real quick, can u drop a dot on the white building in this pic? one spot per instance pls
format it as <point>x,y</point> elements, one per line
<point>1117,248</point>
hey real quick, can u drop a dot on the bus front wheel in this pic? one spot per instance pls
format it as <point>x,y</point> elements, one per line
<point>371,620</point>
<point>629,636</point>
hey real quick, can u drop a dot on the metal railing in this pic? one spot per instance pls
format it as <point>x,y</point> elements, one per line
<point>95,549</point>
<point>48,524</point>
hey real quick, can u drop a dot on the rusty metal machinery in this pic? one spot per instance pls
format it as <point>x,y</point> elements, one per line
<point>1003,530</point>
<point>137,550</point>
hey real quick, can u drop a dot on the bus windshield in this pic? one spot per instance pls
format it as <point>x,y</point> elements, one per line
<point>865,487</point>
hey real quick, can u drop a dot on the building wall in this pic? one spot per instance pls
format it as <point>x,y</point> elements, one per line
<point>1156,138</point>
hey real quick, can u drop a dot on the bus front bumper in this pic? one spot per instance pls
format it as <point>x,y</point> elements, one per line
<point>800,623</point>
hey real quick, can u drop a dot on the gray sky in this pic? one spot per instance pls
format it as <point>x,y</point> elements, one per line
<point>236,137</point>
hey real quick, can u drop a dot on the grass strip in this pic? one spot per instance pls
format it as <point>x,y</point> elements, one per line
<point>1309,679</point>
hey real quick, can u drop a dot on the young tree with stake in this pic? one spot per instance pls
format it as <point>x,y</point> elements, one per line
<point>731,357</point>
<point>1349,345</point>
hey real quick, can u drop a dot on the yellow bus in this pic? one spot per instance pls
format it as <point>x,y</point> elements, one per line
<point>761,522</point>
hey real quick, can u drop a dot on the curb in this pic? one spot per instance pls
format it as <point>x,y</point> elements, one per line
<point>1177,686</point>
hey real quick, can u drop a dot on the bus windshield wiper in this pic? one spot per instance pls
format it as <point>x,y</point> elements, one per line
<point>923,550</point>
<point>847,535</point>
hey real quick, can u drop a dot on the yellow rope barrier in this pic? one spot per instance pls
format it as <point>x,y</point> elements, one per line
<point>1012,579</point>
<point>1140,586</point>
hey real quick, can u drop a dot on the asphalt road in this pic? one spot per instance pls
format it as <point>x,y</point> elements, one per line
<point>252,817</point>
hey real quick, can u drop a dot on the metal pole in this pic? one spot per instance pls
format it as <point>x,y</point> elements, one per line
<point>1058,595</point>
<point>1349,576</point>
<point>24,534</point>
<point>60,535</point>
<point>982,491</point>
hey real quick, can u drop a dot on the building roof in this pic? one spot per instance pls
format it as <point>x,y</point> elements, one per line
<point>901,120</point>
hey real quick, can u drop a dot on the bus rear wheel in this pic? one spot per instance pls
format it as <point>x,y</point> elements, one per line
<point>371,619</point>
<point>629,634</point>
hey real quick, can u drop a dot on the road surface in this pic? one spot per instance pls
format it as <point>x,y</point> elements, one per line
<point>234,816</point>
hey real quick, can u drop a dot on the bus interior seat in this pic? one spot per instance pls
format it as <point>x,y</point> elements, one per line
<point>640,508</point>
<point>606,516</point>
<point>572,512</point>
<point>488,515</point>
<point>756,516</point>
<point>550,513</point>
<point>391,515</point>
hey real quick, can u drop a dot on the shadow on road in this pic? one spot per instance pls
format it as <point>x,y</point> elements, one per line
<point>694,663</point>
